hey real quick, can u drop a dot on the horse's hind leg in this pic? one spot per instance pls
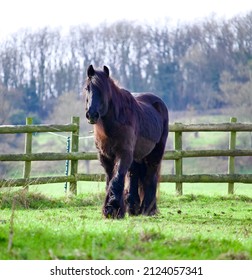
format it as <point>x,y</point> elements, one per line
<point>150,179</point>
<point>153,165</point>
<point>132,196</point>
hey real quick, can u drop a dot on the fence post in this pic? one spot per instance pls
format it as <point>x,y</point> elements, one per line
<point>28,150</point>
<point>231,159</point>
<point>74,148</point>
<point>178,162</point>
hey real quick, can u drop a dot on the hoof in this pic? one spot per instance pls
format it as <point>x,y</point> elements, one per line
<point>133,210</point>
<point>147,211</point>
<point>110,212</point>
<point>114,209</point>
<point>133,207</point>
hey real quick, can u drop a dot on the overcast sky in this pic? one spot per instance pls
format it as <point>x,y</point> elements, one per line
<point>18,14</point>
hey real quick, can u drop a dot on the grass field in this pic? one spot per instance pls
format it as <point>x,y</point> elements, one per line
<point>202,224</point>
<point>208,189</point>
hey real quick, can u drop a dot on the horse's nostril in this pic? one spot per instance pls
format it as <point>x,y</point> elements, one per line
<point>92,116</point>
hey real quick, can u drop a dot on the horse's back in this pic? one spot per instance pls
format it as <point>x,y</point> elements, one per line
<point>153,100</point>
<point>148,97</point>
<point>153,117</point>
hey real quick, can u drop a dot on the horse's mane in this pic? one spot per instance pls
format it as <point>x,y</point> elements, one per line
<point>122,100</point>
<point>99,80</point>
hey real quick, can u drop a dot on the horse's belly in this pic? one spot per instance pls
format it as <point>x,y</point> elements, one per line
<point>143,148</point>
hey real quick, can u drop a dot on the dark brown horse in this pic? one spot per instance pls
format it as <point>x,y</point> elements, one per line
<point>130,134</point>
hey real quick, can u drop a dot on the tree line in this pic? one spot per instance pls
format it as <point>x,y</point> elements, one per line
<point>202,65</point>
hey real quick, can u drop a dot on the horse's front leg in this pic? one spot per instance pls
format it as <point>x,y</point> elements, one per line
<point>108,164</point>
<point>132,198</point>
<point>114,203</point>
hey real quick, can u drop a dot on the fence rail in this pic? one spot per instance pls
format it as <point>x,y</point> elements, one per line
<point>169,155</point>
<point>177,155</point>
<point>12,129</point>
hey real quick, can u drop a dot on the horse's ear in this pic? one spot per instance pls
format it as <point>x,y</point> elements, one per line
<point>90,71</point>
<point>106,70</point>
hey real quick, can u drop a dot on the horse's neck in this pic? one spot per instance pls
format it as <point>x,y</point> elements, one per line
<point>120,104</point>
<point>107,122</point>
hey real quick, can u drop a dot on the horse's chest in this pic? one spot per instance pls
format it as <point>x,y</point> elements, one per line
<point>103,145</point>
<point>102,141</point>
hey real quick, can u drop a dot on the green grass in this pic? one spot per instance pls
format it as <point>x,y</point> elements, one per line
<point>193,226</point>
<point>208,189</point>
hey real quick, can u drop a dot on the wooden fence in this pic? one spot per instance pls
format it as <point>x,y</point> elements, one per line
<point>178,154</point>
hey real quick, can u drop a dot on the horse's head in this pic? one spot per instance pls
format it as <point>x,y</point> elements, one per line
<point>97,93</point>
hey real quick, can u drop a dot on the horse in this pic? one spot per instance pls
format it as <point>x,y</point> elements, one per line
<point>130,132</point>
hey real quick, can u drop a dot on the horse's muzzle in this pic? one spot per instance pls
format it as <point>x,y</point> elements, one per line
<point>92,117</point>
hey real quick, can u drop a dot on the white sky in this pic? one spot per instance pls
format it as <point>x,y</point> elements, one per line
<point>18,14</point>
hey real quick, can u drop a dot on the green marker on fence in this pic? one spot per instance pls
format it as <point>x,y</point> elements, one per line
<point>67,161</point>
